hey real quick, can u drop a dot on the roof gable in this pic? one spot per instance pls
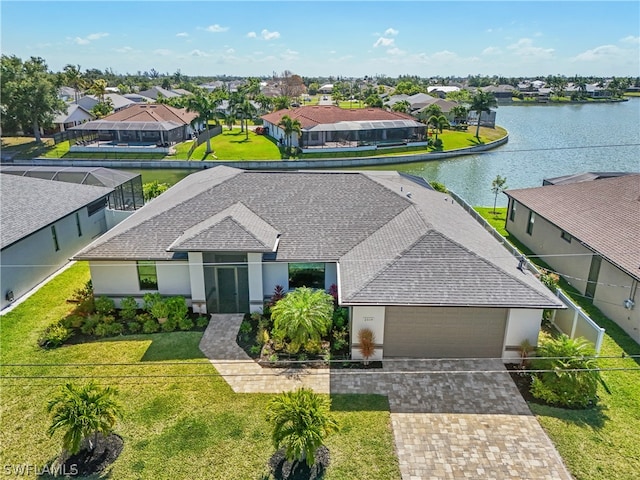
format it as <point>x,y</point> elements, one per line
<point>310,116</point>
<point>156,112</point>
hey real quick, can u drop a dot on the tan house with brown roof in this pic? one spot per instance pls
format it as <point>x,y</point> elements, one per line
<point>336,129</point>
<point>588,232</point>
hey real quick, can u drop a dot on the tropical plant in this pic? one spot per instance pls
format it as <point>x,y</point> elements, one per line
<point>482,101</point>
<point>569,374</point>
<point>105,305</point>
<point>54,336</point>
<point>498,185</point>
<point>301,421</point>
<point>373,101</point>
<point>102,108</point>
<point>99,89</point>
<point>160,310</point>
<point>128,308</point>
<point>206,106</point>
<point>460,113</point>
<point>82,412</point>
<point>74,79</point>
<point>402,106</point>
<point>302,315</point>
<point>151,190</point>
<point>281,103</point>
<point>549,279</point>
<point>290,126</point>
<point>438,123</point>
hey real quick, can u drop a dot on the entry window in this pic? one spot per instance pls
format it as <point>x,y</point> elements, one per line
<point>565,236</point>
<point>532,219</point>
<point>78,226</point>
<point>306,275</point>
<point>512,210</point>
<point>55,238</point>
<point>147,275</point>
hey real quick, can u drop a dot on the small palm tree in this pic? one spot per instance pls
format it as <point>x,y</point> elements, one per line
<point>438,123</point>
<point>482,102</point>
<point>290,126</point>
<point>206,106</point>
<point>302,315</point>
<point>83,411</point>
<point>301,421</point>
<point>499,184</point>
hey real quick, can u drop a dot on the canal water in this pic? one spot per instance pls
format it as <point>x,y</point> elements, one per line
<point>544,141</point>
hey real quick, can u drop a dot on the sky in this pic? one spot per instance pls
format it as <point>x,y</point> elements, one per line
<point>330,38</point>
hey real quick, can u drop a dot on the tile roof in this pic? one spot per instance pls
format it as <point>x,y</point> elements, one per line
<point>365,221</point>
<point>156,112</point>
<point>603,214</point>
<point>310,116</point>
<point>30,204</point>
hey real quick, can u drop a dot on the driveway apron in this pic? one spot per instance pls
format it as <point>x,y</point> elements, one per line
<point>451,419</point>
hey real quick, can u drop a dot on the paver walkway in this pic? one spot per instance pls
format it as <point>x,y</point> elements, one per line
<point>450,419</point>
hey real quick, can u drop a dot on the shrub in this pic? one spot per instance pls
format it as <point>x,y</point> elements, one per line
<point>177,308</point>
<point>86,307</point>
<point>84,293</point>
<point>278,294</point>
<point>437,143</point>
<point>169,326</point>
<point>549,279</point>
<point>151,326</point>
<point>108,319</point>
<point>339,340</point>
<point>367,341</point>
<point>313,347</point>
<point>134,327</point>
<point>202,321</point>
<point>439,187</point>
<point>340,317</point>
<point>262,336</point>
<point>54,336</point>
<point>128,308</point>
<point>105,305</point>
<point>149,300</point>
<point>255,350</point>
<point>90,324</point>
<point>101,330</point>
<point>570,377</point>
<point>160,309</point>
<point>72,321</point>
<point>185,323</point>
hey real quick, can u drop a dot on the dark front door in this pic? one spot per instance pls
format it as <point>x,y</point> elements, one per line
<point>233,289</point>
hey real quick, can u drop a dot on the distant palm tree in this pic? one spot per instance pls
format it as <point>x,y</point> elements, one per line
<point>281,103</point>
<point>290,126</point>
<point>206,106</point>
<point>402,106</point>
<point>438,123</point>
<point>482,102</point>
<point>83,411</point>
<point>499,184</point>
<point>460,113</point>
<point>99,88</point>
<point>73,78</point>
<point>245,110</point>
<point>301,420</point>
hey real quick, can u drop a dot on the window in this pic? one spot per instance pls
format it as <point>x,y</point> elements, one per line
<point>565,236</point>
<point>512,209</point>
<point>306,275</point>
<point>532,218</point>
<point>78,224</point>
<point>147,275</point>
<point>96,206</point>
<point>55,238</point>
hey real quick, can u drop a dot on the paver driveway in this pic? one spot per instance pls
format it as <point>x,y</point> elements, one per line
<point>451,419</point>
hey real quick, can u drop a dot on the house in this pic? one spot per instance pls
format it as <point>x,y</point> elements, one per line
<point>336,129</point>
<point>503,93</point>
<point>156,91</point>
<point>43,223</point>
<point>327,88</point>
<point>408,262</point>
<point>138,127</point>
<point>118,102</point>
<point>587,228</point>
<point>74,115</point>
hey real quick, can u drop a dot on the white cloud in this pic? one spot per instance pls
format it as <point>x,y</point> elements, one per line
<point>89,38</point>
<point>267,35</point>
<point>289,55</point>
<point>491,51</point>
<point>251,35</point>
<point>630,39</point>
<point>396,51</point>
<point>391,32</point>
<point>163,52</point>
<point>215,28</point>
<point>603,52</point>
<point>230,51</point>
<point>384,42</point>
<point>525,48</point>
<point>198,53</point>
<point>182,34</point>
<point>126,49</point>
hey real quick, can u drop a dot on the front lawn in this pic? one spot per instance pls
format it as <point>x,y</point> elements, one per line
<point>234,145</point>
<point>599,443</point>
<point>181,419</point>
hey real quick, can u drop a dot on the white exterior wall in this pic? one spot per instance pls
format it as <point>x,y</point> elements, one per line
<point>274,273</point>
<point>545,239</point>
<point>330,275</point>
<point>522,324</point>
<point>196,278</point>
<point>614,287</point>
<point>28,262</point>
<point>256,290</point>
<point>173,278</point>
<point>114,217</point>
<point>367,317</point>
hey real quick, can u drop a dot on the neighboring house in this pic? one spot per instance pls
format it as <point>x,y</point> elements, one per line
<point>326,88</point>
<point>137,98</point>
<point>42,224</point>
<point>118,102</point>
<point>153,92</point>
<point>588,230</point>
<point>67,94</point>
<point>487,119</point>
<point>503,93</point>
<point>333,128</point>
<point>408,262</point>
<point>596,91</point>
<point>442,90</point>
<point>74,115</point>
<point>139,126</point>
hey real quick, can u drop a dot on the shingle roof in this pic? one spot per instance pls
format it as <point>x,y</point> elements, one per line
<point>29,204</point>
<point>365,221</point>
<point>98,176</point>
<point>156,112</point>
<point>310,116</point>
<point>603,214</point>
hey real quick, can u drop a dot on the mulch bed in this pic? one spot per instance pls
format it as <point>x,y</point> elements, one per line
<point>522,379</point>
<point>90,462</point>
<point>282,469</point>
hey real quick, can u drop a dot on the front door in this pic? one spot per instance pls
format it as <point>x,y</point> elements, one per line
<point>233,289</point>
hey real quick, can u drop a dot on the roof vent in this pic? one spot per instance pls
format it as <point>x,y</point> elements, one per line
<point>629,304</point>
<point>408,194</point>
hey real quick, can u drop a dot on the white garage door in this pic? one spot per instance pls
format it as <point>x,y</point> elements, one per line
<point>434,332</point>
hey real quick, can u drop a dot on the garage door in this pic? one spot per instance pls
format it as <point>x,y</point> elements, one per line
<point>427,332</point>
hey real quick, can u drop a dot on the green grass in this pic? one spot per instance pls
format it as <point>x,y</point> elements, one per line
<point>600,443</point>
<point>234,145</point>
<point>175,426</point>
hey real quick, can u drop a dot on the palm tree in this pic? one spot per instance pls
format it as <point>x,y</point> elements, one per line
<point>265,103</point>
<point>83,411</point>
<point>302,315</point>
<point>482,102</point>
<point>438,123</point>
<point>402,106</point>
<point>99,88</point>
<point>460,113</point>
<point>301,421</point>
<point>499,184</point>
<point>206,106</point>
<point>245,110</point>
<point>281,103</point>
<point>73,78</point>
<point>290,126</point>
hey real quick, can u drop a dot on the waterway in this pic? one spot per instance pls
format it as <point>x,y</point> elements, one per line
<point>544,141</point>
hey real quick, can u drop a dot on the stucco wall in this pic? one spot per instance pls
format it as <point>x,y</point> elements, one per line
<point>367,317</point>
<point>571,259</point>
<point>28,262</point>
<point>522,324</point>
<point>277,273</point>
